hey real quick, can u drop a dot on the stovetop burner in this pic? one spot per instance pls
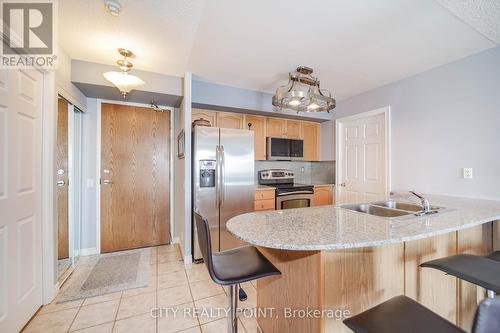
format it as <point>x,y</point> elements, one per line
<point>283,181</point>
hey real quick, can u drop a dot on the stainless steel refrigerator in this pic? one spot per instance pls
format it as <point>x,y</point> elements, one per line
<point>223,181</point>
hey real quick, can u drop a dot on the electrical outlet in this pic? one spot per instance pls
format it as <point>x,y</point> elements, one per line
<point>467,173</point>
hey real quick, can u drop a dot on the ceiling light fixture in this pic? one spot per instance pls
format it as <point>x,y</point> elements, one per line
<point>123,80</point>
<point>113,7</point>
<point>303,94</point>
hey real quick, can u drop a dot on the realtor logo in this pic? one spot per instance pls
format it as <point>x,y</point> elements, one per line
<point>28,34</point>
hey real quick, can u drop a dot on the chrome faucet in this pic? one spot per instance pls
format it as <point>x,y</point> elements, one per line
<point>426,206</point>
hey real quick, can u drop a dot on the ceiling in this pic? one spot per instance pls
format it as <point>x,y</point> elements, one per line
<point>353,46</point>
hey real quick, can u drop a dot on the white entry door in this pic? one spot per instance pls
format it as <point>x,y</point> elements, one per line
<point>362,157</point>
<point>20,197</point>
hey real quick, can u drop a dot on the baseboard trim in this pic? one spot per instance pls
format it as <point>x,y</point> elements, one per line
<point>176,240</point>
<point>89,251</point>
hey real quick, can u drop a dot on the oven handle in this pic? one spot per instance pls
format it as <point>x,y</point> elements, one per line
<point>296,192</point>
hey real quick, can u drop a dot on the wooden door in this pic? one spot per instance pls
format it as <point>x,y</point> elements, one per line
<point>135,167</point>
<point>293,129</point>
<point>21,92</point>
<point>258,125</point>
<point>362,162</point>
<point>275,127</point>
<point>311,134</point>
<point>198,114</point>
<point>230,120</point>
<point>62,179</point>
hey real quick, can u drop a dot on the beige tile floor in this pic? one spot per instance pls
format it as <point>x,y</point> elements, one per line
<point>171,285</point>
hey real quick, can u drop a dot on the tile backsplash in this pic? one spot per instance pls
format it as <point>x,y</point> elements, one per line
<point>305,172</point>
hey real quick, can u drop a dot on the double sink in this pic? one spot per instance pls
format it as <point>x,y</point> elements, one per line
<point>391,208</point>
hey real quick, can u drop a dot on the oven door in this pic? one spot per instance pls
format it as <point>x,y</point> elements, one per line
<point>298,200</point>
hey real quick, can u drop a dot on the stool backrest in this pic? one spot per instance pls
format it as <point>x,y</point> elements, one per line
<point>487,319</point>
<point>205,243</point>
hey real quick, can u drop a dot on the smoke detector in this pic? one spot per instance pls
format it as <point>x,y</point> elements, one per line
<point>113,7</point>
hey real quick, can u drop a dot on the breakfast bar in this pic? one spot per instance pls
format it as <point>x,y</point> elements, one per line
<point>342,261</point>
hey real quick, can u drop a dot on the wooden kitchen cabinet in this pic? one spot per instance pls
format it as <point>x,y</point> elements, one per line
<point>258,125</point>
<point>323,195</point>
<point>293,129</point>
<point>264,127</point>
<point>211,116</point>
<point>264,200</point>
<point>275,127</point>
<point>230,120</point>
<point>311,136</point>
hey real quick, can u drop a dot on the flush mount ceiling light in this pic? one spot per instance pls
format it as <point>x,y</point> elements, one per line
<point>123,80</point>
<point>113,7</point>
<point>303,94</point>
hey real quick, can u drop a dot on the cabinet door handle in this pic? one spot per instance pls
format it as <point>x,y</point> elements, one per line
<point>107,182</point>
<point>61,183</point>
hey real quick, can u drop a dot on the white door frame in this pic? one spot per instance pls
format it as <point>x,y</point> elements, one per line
<point>98,166</point>
<point>386,111</point>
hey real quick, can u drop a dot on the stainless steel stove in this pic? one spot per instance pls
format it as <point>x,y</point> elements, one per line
<point>288,193</point>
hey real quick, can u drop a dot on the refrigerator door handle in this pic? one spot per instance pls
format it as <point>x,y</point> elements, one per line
<point>217,177</point>
<point>223,175</point>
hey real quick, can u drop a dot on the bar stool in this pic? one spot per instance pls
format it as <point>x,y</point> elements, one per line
<point>402,314</point>
<point>481,271</point>
<point>232,267</point>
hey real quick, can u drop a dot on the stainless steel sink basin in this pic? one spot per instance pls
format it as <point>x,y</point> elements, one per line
<point>389,208</point>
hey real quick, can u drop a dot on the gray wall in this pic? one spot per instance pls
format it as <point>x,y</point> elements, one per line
<point>89,178</point>
<point>443,120</point>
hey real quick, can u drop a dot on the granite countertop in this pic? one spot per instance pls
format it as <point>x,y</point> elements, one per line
<point>332,227</point>
<point>259,187</point>
<point>323,185</point>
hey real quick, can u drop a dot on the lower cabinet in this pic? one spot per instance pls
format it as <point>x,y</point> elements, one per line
<point>264,200</point>
<point>323,195</point>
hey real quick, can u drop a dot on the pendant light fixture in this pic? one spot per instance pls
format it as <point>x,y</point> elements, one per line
<point>124,81</point>
<point>303,93</point>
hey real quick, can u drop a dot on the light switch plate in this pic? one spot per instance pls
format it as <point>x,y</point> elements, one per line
<point>467,173</point>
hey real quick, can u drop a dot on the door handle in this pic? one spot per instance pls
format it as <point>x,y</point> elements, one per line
<point>61,183</point>
<point>217,176</point>
<point>223,175</point>
<point>107,182</point>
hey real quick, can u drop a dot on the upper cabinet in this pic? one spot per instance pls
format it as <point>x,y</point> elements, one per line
<point>275,127</point>
<point>230,120</point>
<point>211,116</point>
<point>311,135</point>
<point>258,125</point>
<point>293,129</point>
<point>264,127</point>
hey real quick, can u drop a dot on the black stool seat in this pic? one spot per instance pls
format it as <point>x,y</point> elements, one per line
<point>400,314</point>
<point>241,265</point>
<point>478,270</point>
<point>494,256</point>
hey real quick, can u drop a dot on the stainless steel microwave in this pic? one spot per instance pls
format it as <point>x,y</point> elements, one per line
<point>281,149</point>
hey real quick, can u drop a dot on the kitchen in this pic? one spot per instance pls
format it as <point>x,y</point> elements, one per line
<point>216,159</point>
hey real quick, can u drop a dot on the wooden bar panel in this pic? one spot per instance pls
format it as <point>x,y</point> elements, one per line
<point>430,287</point>
<point>300,286</point>
<point>359,279</point>
<point>477,241</point>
